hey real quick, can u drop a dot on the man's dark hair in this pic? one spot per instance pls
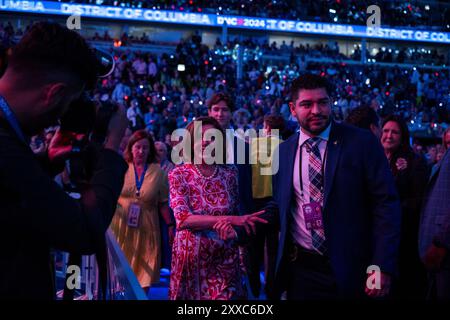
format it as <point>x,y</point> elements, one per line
<point>309,81</point>
<point>52,51</point>
<point>221,96</point>
<point>363,117</point>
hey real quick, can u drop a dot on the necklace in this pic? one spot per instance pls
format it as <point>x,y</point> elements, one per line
<point>197,169</point>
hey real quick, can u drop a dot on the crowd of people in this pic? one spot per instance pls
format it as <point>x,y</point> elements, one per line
<point>411,55</point>
<point>173,96</point>
<point>206,199</point>
<point>341,198</point>
<point>161,98</point>
<point>256,49</point>
<point>393,13</point>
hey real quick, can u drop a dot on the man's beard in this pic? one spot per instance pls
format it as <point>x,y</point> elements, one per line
<point>316,131</point>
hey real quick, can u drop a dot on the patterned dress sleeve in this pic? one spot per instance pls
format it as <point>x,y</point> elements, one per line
<point>179,196</point>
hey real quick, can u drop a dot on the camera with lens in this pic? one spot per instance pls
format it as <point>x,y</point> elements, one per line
<point>86,125</point>
<point>86,122</point>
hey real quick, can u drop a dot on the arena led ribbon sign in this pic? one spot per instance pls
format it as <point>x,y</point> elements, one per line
<point>212,20</point>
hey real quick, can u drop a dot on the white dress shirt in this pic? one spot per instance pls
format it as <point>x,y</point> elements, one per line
<point>230,145</point>
<point>298,230</point>
<point>231,134</point>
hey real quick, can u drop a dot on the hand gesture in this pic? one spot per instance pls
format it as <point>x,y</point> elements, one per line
<point>248,221</point>
<point>225,230</point>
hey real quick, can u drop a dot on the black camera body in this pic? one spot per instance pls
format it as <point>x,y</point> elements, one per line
<point>105,111</point>
<point>80,117</point>
<point>89,119</point>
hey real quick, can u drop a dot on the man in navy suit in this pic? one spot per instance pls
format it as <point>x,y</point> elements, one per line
<point>335,199</point>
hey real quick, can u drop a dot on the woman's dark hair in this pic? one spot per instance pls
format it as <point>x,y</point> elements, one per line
<point>206,121</point>
<point>137,136</point>
<point>404,150</point>
<point>404,147</point>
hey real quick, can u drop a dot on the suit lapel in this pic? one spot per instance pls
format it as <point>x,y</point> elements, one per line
<point>291,152</point>
<point>333,151</point>
<point>288,169</point>
<point>286,184</point>
<point>437,167</point>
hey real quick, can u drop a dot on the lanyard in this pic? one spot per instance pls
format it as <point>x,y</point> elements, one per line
<point>322,167</point>
<point>11,118</point>
<point>139,180</point>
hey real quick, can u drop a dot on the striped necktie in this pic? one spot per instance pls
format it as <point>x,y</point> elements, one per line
<point>316,188</point>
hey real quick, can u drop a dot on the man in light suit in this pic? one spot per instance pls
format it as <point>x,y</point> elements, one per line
<point>434,232</point>
<point>335,199</point>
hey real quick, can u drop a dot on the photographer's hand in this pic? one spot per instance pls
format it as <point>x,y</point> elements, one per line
<point>40,149</point>
<point>116,130</point>
<point>61,145</point>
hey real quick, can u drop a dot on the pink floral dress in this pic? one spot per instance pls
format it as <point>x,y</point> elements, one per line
<point>203,266</point>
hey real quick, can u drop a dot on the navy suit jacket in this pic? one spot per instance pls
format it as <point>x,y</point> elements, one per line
<point>435,218</point>
<point>244,176</point>
<point>361,212</point>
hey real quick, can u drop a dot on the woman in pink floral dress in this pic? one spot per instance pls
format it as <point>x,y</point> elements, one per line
<point>205,256</point>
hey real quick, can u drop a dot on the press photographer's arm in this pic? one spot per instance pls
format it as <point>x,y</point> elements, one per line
<point>36,90</point>
<point>47,211</point>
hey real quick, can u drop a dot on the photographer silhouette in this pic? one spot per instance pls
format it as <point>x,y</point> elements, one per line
<point>49,68</point>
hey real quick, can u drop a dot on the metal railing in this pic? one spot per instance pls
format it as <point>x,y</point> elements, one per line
<point>122,283</point>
